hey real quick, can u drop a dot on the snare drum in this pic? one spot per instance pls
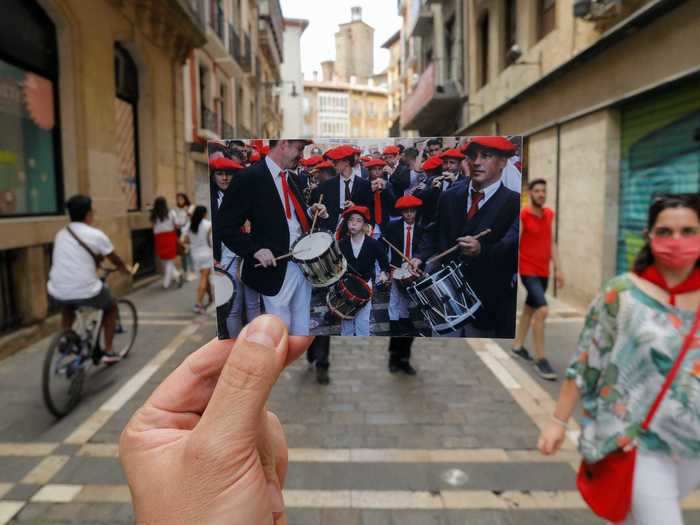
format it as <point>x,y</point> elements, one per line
<point>319,258</point>
<point>403,277</point>
<point>445,298</point>
<point>224,287</point>
<point>348,296</point>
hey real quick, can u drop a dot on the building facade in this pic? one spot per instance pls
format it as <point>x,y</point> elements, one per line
<point>90,103</point>
<point>354,49</point>
<point>607,96</point>
<point>292,87</point>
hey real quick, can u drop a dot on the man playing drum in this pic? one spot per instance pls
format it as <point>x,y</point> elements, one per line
<point>264,195</point>
<point>490,261</point>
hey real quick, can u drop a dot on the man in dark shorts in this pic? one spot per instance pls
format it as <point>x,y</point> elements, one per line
<point>73,279</point>
<point>537,248</point>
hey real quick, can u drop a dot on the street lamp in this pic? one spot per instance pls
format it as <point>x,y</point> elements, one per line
<point>294,92</point>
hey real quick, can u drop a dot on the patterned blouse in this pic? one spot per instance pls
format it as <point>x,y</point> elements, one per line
<point>628,344</point>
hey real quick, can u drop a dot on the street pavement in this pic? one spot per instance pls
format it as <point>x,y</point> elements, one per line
<point>453,445</point>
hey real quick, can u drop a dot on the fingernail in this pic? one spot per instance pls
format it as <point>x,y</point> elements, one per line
<point>265,331</point>
<point>276,498</point>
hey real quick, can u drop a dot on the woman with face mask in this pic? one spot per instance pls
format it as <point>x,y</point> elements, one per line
<point>632,337</point>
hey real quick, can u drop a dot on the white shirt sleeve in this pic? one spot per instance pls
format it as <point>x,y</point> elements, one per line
<point>102,243</point>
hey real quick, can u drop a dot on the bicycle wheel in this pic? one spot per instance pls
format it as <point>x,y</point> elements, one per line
<point>125,328</point>
<point>63,374</point>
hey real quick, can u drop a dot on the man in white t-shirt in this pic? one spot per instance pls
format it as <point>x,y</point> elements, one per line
<point>73,279</point>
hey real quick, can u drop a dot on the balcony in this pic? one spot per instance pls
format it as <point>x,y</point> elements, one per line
<point>431,107</point>
<point>210,124</point>
<point>423,20</point>
<point>270,31</point>
<point>227,131</point>
<point>244,133</point>
<point>215,45</point>
<point>234,43</point>
<point>246,60</point>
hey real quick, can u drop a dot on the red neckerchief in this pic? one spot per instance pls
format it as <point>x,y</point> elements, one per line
<point>691,283</point>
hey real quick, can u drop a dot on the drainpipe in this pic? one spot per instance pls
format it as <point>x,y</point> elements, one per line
<point>556,198</point>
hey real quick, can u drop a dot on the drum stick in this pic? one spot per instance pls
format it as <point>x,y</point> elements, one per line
<point>454,248</point>
<point>313,224</point>
<point>401,255</point>
<point>285,256</point>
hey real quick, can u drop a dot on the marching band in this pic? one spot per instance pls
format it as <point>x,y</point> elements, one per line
<point>442,233</point>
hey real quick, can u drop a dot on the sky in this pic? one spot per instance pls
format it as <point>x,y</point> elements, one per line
<point>324,16</point>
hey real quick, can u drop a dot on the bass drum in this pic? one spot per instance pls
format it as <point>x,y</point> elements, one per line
<point>348,296</point>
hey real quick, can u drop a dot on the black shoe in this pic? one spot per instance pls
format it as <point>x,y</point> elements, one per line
<point>311,355</point>
<point>394,368</point>
<point>322,377</point>
<point>407,369</point>
<point>522,353</point>
<point>544,369</point>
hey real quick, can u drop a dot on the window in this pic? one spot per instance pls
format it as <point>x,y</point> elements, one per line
<point>484,50</point>
<point>546,18</point>
<point>511,30</point>
<point>30,165</point>
<point>449,48</point>
<point>126,117</point>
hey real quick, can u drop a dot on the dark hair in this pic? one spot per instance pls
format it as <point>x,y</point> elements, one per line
<point>401,148</point>
<point>663,202</point>
<point>273,143</point>
<point>160,210</point>
<point>78,207</point>
<point>197,216</point>
<point>184,197</point>
<point>535,182</point>
<point>433,142</point>
<point>410,153</point>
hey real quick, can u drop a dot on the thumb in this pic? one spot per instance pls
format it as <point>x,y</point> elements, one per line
<point>235,414</point>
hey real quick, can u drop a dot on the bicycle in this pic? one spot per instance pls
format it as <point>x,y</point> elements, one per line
<point>72,353</point>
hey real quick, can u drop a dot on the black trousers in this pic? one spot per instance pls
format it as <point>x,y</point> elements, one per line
<point>400,349</point>
<point>319,351</point>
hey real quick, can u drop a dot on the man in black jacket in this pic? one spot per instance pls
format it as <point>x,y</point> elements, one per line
<point>343,190</point>
<point>482,203</point>
<point>399,174</point>
<point>266,196</point>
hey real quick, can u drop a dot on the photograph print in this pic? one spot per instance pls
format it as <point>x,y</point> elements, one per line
<point>367,237</point>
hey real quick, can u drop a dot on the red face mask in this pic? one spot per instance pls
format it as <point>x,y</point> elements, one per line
<point>676,253</point>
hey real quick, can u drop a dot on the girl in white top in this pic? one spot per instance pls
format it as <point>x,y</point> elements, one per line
<point>165,238</point>
<point>183,211</point>
<point>197,234</point>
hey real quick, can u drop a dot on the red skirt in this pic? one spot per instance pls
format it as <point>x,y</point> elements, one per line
<point>166,245</point>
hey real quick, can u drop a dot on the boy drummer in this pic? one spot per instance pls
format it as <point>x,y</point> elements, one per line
<point>406,235</point>
<point>362,253</point>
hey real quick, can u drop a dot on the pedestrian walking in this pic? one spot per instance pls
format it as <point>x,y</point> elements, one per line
<point>165,236</point>
<point>637,372</point>
<point>183,211</point>
<point>197,235</point>
<point>537,250</point>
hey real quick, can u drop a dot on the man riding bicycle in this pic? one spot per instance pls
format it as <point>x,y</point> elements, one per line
<point>73,281</point>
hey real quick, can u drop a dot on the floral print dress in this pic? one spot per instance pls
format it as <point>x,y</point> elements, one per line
<point>627,347</point>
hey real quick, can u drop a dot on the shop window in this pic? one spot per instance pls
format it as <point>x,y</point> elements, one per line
<point>30,166</point>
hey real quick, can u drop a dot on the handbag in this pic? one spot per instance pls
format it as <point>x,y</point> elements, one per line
<point>606,485</point>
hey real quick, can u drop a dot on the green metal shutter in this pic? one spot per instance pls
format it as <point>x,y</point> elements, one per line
<point>660,154</point>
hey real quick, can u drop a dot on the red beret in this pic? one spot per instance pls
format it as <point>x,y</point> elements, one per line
<point>326,164</point>
<point>357,150</point>
<point>254,156</point>
<point>264,150</point>
<point>361,210</point>
<point>340,152</point>
<point>311,161</point>
<point>375,163</point>
<point>408,201</point>
<point>224,164</point>
<point>391,150</point>
<point>366,158</point>
<point>433,163</point>
<point>492,142</point>
<point>452,154</point>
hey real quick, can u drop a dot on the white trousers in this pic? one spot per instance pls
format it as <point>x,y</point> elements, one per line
<point>293,302</point>
<point>398,303</point>
<point>169,272</point>
<point>245,298</point>
<point>359,325</point>
<point>660,483</point>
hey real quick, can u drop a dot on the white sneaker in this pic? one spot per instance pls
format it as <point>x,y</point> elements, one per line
<point>190,277</point>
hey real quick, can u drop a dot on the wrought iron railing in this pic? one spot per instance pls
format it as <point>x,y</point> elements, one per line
<point>234,43</point>
<point>247,58</point>
<point>209,119</point>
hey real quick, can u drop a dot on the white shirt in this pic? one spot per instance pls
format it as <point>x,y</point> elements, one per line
<point>199,242</point>
<point>342,179</point>
<point>168,225</point>
<point>488,193</point>
<point>407,227</point>
<point>511,177</point>
<point>293,223</point>
<point>357,246</point>
<point>73,274</point>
